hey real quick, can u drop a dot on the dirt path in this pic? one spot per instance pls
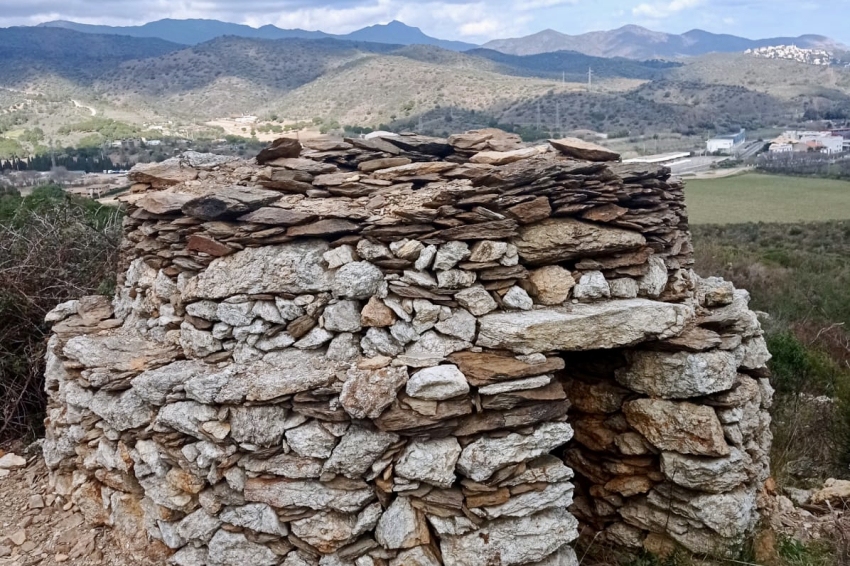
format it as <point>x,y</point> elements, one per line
<point>89,108</point>
<point>39,528</point>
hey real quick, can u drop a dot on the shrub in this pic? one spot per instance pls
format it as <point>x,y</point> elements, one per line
<point>53,247</point>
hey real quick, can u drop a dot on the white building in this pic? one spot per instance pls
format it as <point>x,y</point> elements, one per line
<point>803,141</point>
<point>726,144</point>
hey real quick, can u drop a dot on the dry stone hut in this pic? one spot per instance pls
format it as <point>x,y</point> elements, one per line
<point>409,351</point>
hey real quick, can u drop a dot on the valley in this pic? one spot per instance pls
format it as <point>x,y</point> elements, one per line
<point>263,87</point>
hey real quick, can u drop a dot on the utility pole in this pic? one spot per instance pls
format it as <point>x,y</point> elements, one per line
<point>564,77</point>
<point>558,118</point>
<point>589,79</point>
<point>538,115</point>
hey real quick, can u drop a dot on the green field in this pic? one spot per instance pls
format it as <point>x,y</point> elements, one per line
<point>766,198</point>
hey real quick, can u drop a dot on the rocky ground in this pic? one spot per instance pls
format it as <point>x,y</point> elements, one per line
<point>37,527</point>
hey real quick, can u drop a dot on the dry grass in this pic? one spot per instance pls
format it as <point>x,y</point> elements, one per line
<point>52,248</point>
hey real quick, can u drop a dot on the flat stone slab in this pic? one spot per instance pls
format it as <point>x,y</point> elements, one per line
<point>296,267</point>
<point>600,326</point>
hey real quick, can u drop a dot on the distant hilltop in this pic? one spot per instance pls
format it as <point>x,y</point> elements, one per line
<point>631,42</point>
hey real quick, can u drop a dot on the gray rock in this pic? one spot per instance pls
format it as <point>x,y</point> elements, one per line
<point>517,298</point>
<point>311,440</point>
<point>316,338</point>
<point>358,280</point>
<point>511,541</point>
<point>427,315</point>
<point>401,526</point>
<point>450,254</point>
<point>752,354</point>
<point>346,496</point>
<point>288,309</point>
<point>328,531</point>
<point>714,475</point>
<point>295,267</point>
<point>185,417</point>
<point>207,310</point>
<point>678,375</point>
<point>431,461</point>
<point>545,469</point>
<point>343,316</point>
<point>229,549</point>
<point>731,514</point>
<point>558,495</point>
<point>431,349</point>
<point>366,393</point>
<point>155,385</point>
<point>261,426</point>
<point>344,347</point>
<point>370,251</point>
<point>339,256</point>
<point>403,332</point>
<point>461,324</point>
<point>190,556</point>
<point>624,288</point>
<point>280,373</point>
<point>455,279</point>
<point>222,331</point>
<point>606,325</point>
<point>279,341</point>
<point>418,556</point>
<point>476,300</point>
<point>678,427</point>
<point>379,341</point>
<point>357,451</point>
<point>118,352</point>
<point>236,314</point>
<point>257,517</point>
<point>437,383</point>
<point>284,465</point>
<point>197,343</point>
<point>426,258</point>
<point>268,311</point>
<point>198,526</point>
<point>592,286</point>
<point>62,311</point>
<point>483,457</point>
<point>715,292</point>
<point>655,281</point>
<point>516,385</point>
<point>121,411</point>
<point>420,279</point>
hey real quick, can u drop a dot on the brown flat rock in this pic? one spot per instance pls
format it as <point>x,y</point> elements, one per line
<point>580,149</point>
<point>281,147</point>
<point>486,368</point>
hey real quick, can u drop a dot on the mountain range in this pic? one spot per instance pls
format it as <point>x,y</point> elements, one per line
<point>633,42</point>
<point>193,32</point>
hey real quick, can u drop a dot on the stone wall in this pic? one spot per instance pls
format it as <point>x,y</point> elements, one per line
<point>409,351</point>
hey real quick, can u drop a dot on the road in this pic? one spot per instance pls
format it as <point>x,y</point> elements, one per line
<point>694,165</point>
<point>749,150</point>
<point>89,108</point>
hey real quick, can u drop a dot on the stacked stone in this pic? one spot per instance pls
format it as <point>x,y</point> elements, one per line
<point>686,458</point>
<point>354,353</point>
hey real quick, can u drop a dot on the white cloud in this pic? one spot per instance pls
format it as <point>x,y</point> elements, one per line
<point>660,10</point>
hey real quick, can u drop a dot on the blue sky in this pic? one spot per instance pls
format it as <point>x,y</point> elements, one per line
<point>470,20</point>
